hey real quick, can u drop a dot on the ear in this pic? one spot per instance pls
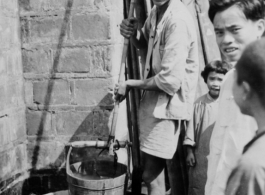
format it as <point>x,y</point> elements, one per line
<point>260,24</point>
<point>247,91</point>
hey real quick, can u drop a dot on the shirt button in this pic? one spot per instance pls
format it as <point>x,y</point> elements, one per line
<point>147,69</point>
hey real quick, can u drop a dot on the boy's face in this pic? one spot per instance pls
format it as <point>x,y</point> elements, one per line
<point>234,32</point>
<point>214,81</point>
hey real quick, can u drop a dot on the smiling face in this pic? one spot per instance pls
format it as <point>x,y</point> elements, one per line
<point>214,81</point>
<point>234,32</point>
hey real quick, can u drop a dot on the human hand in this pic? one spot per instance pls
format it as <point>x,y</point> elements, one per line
<point>190,160</point>
<point>128,27</point>
<point>121,91</point>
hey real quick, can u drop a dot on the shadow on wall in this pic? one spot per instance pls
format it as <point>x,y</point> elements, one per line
<point>88,122</point>
<point>83,122</point>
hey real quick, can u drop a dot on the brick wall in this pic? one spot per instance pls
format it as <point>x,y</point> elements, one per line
<point>13,155</point>
<point>71,51</point>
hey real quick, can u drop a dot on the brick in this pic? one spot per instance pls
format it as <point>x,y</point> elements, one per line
<point>3,97</point>
<point>4,131</point>
<point>36,61</point>
<point>91,27</point>
<point>13,61</point>
<point>28,87</point>
<point>17,125</point>
<point>100,123</point>
<point>13,92</point>
<point>93,92</point>
<point>74,60</point>
<point>21,158</point>
<point>5,31</point>
<point>10,5</point>
<point>51,92</point>
<point>5,166</point>
<point>43,29</point>
<point>101,64</point>
<point>39,123</point>
<point>74,123</point>
<point>3,70</point>
<point>45,155</point>
<point>40,5</point>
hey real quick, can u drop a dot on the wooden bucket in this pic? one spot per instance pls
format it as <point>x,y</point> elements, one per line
<point>95,177</point>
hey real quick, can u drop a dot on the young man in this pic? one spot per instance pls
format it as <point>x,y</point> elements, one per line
<point>201,125</point>
<point>169,84</point>
<point>248,178</point>
<point>236,24</point>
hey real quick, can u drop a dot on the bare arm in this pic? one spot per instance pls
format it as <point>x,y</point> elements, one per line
<point>123,89</point>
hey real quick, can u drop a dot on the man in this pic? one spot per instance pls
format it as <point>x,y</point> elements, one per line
<point>236,24</point>
<point>169,84</point>
<point>248,178</point>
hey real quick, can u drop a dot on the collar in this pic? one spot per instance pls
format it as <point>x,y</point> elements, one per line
<point>257,136</point>
<point>172,4</point>
<point>211,99</point>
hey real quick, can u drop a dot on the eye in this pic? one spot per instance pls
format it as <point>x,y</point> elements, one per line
<point>219,33</point>
<point>235,30</point>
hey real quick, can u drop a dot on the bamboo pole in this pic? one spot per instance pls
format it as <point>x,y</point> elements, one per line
<point>121,74</point>
<point>134,95</point>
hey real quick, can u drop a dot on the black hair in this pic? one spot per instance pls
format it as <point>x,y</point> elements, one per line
<point>217,66</point>
<point>251,68</point>
<point>253,9</point>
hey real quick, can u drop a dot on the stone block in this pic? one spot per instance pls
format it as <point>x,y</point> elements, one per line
<point>5,31</point>
<point>93,92</point>
<point>21,157</point>
<point>28,87</point>
<point>10,6</point>
<point>4,131</point>
<point>3,68</point>
<point>51,92</point>
<point>47,29</point>
<point>75,124</point>
<point>45,154</point>
<point>37,61</point>
<point>101,63</point>
<point>39,123</point>
<point>40,5</point>
<point>91,27</point>
<point>7,164</point>
<point>5,168</point>
<point>17,125</point>
<point>100,123</point>
<point>13,93</point>
<point>13,62</point>
<point>74,60</point>
<point>3,97</point>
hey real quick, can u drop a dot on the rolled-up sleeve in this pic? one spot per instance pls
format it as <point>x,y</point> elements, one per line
<point>174,56</point>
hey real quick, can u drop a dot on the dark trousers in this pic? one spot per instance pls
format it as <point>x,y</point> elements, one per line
<point>176,167</point>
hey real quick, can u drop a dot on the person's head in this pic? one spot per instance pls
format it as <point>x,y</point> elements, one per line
<point>249,84</point>
<point>213,75</point>
<point>237,23</point>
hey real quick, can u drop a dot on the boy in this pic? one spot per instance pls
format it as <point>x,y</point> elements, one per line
<point>236,24</point>
<point>200,127</point>
<point>169,84</point>
<point>248,178</point>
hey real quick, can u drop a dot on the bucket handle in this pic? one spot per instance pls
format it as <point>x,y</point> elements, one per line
<point>128,160</point>
<point>68,161</point>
